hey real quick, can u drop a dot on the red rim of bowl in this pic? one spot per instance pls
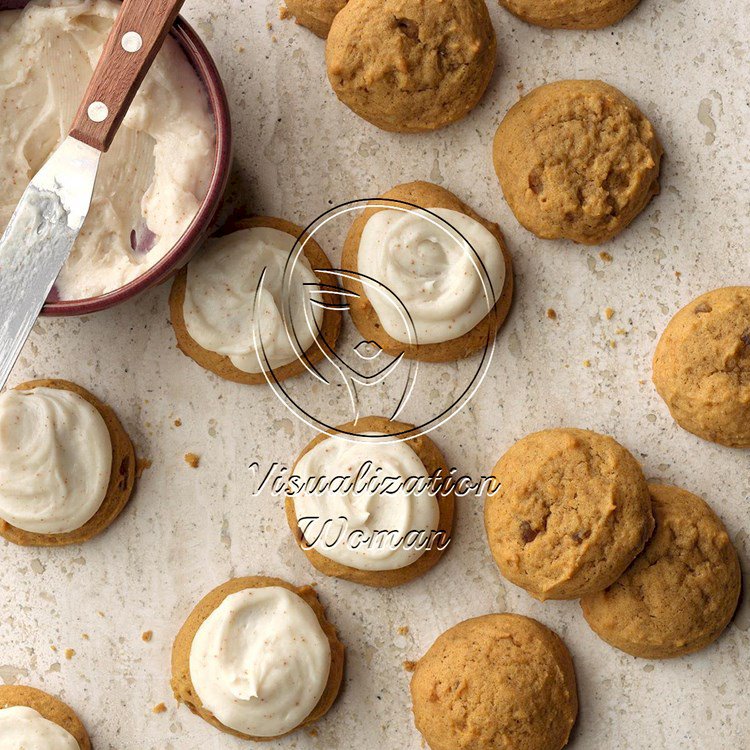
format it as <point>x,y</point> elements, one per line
<point>201,60</point>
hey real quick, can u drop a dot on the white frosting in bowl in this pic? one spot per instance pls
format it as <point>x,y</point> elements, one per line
<point>260,661</point>
<point>431,270</point>
<point>363,524</point>
<point>221,298</point>
<point>154,177</point>
<point>23,728</point>
<point>55,460</point>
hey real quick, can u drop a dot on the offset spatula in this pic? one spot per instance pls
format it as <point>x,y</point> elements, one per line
<point>37,241</point>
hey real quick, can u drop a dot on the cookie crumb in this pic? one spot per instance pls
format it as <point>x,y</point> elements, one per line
<point>53,647</point>
<point>85,636</point>
<point>605,256</point>
<point>612,344</point>
<point>178,423</point>
<point>192,460</point>
<point>159,708</point>
<point>69,653</point>
<point>410,666</point>
<point>284,12</point>
<point>313,732</point>
<point>403,630</point>
<point>587,363</point>
<point>141,465</point>
<point>147,635</point>
<point>608,313</point>
<point>677,274</point>
<point>551,313</point>
<point>269,25</point>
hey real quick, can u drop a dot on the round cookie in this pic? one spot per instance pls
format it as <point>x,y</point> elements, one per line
<point>701,366</point>
<point>410,66</point>
<point>182,684</point>
<point>576,160</point>
<point>571,512</point>
<point>424,194</point>
<point>222,365</point>
<point>570,14</point>
<point>433,461</point>
<point>680,592</point>
<point>497,681</point>
<point>48,707</point>
<point>119,489</point>
<point>316,15</point>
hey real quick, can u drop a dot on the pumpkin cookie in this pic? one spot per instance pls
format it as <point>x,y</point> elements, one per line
<point>28,715</point>
<point>576,160</point>
<point>216,329</point>
<point>316,15</point>
<point>411,66</point>
<point>497,681</point>
<point>67,466</point>
<point>680,592</point>
<point>220,672</point>
<point>570,14</point>
<point>428,272</point>
<point>702,366</point>
<point>372,547</point>
<point>571,511</point>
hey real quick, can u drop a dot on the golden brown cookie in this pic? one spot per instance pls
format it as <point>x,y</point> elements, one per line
<point>425,195</point>
<point>576,160</point>
<point>223,366</point>
<point>702,366</point>
<point>570,14</point>
<point>316,15</point>
<point>571,513</point>
<point>182,685</point>
<point>409,65</point>
<point>433,460</point>
<point>48,707</point>
<point>121,481</point>
<point>492,682</point>
<point>680,592</point>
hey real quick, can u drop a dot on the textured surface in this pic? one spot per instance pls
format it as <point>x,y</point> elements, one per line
<point>299,151</point>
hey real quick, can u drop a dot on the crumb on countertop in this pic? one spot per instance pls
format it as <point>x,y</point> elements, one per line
<point>147,635</point>
<point>410,666</point>
<point>192,460</point>
<point>69,653</point>
<point>551,313</point>
<point>53,647</point>
<point>587,363</point>
<point>85,636</point>
<point>313,732</point>
<point>178,423</point>
<point>141,464</point>
<point>605,256</point>
<point>284,12</point>
<point>608,313</point>
<point>612,344</point>
<point>677,274</point>
<point>403,630</point>
<point>269,25</point>
<point>159,708</point>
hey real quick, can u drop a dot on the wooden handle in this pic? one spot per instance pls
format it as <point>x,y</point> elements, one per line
<point>136,37</point>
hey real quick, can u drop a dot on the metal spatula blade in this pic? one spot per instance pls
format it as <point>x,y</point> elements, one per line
<point>37,241</point>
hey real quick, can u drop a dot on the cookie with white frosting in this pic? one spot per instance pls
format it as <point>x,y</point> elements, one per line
<point>257,658</point>
<point>67,466</point>
<point>34,720</point>
<point>381,520</point>
<point>444,264</point>
<point>214,302</point>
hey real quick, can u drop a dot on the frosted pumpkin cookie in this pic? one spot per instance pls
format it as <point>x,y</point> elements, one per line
<point>257,658</point>
<point>456,295</point>
<point>408,65</point>
<point>31,719</point>
<point>497,681</point>
<point>385,522</point>
<point>702,366</point>
<point>570,14</point>
<point>576,160</point>
<point>214,302</point>
<point>316,15</point>
<point>67,466</point>
<point>571,512</point>
<point>680,592</point>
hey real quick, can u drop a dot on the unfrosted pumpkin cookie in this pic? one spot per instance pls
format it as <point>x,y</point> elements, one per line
<point>570,14</point>
<point>576,160</point>
<point>31,718</point>
<point>495,682</point>
<point>571,512</point>
<point>680,592</point>
<point>67,466</point>
<point>387,522</point>
<point>316,15</point>
<point>257,658</point>
<point>456,296</point>
<point>213,303</point>
<point>701,366</point>
<point>411,66</point>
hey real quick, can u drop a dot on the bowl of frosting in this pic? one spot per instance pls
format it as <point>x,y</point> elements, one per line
<point>160,184</point>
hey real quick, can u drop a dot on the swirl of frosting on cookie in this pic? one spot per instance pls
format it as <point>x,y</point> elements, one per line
<point>23,728</point>
<point>432,270</point>
<point>221,298</point>
<point>260,661</point>
<point>55,460</point>
<point>365,505</point>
